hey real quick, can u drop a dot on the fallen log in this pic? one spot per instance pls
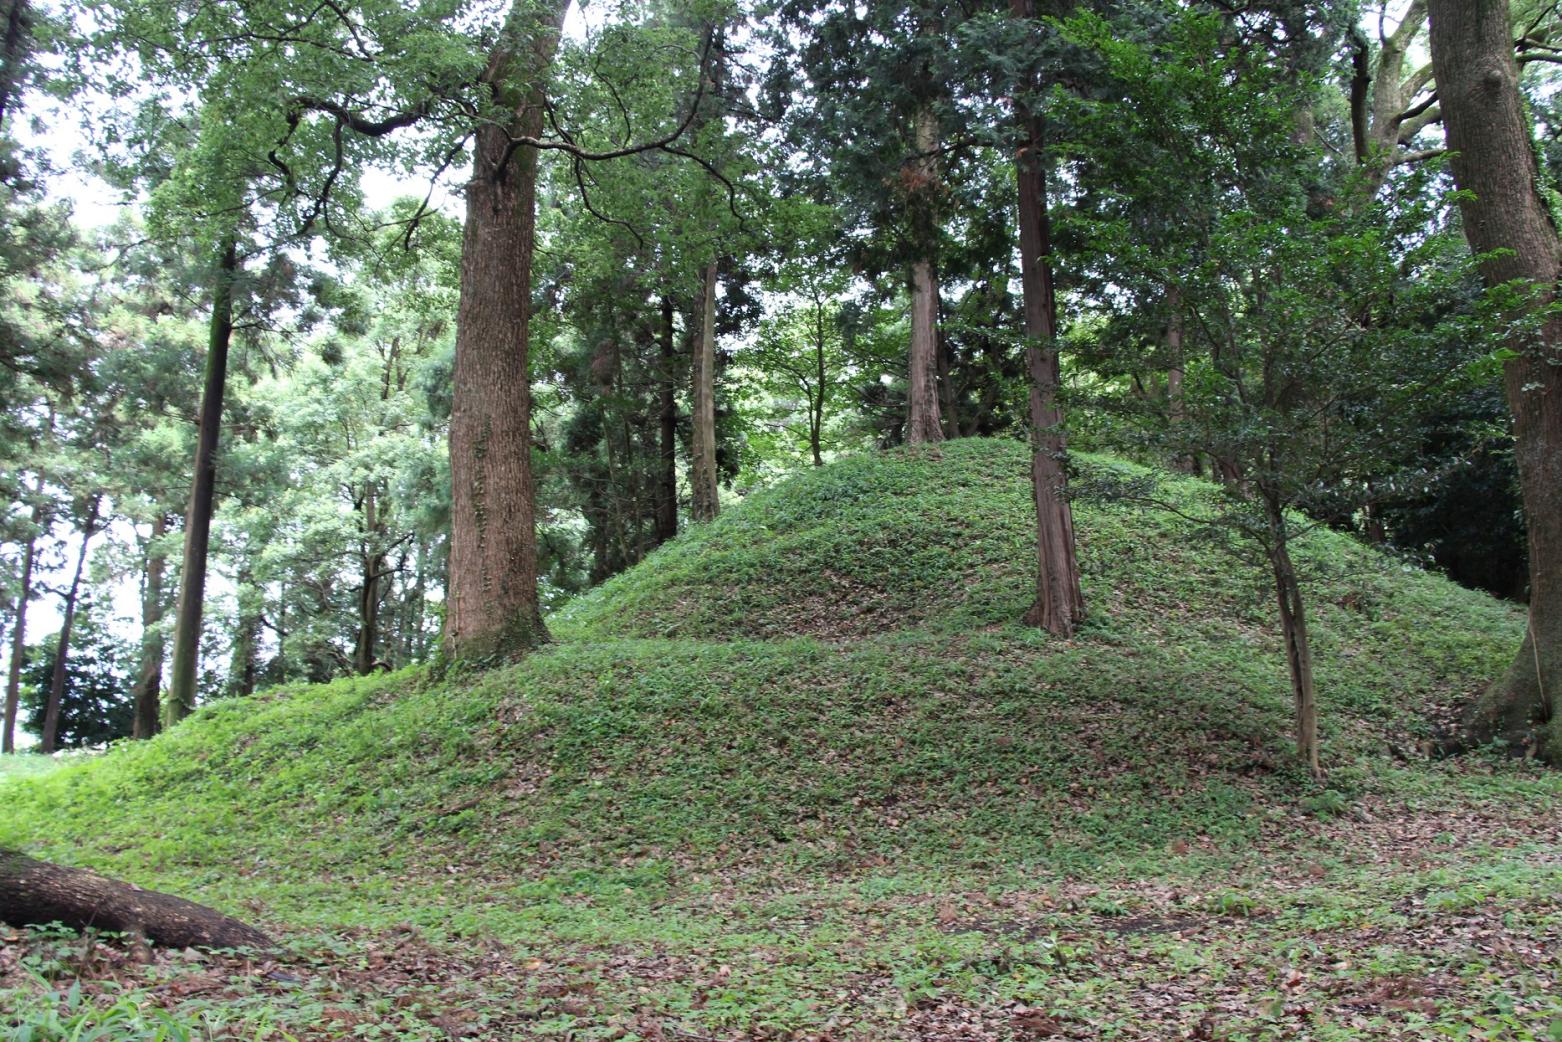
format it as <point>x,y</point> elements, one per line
<point>35,892</point>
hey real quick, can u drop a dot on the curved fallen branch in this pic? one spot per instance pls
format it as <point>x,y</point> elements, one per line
<point>35,892</point>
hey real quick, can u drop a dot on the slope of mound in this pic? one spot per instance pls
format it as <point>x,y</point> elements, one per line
<point>944,539</point>
<point>867,544</point>
<point>917,820</point>
<point>948,742</point>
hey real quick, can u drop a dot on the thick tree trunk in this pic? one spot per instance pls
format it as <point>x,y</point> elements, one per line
<point>1508,223</point>
<point>492,610</point>
<point>1060,603</point>
<point>33,893</point>
<point>180,699</point>
<point>705,503</point>
<point>667,473</point>
<point>149,678</point>
<point>13,679</point>
<point>924,424</point>
<point>51,718</point>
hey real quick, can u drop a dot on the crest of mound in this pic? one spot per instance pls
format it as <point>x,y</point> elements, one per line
<point>943,539</point>
<point>868,544</point>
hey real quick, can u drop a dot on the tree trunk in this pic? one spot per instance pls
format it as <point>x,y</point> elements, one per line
<point>371,571</point>
<point>33,893</point>
<point>821,387</point>
<point>1293,629</point>
<point>1060,603</point>
<point>667,475</point>
<point>243,667</point>
<point>149,679</point>
<point>51,716</point>
<point>13,679</point>
<point>1175,410</point>
<point>13,54</point>
<point>368,617</point>
<point>948,397</point>
<point>1508,224</point>
<point>924,424</point>
<point>704,504</point>
<point>417,601</point>
<point>492,610</point>
<point>1380,95</point>
<point>198,520</point>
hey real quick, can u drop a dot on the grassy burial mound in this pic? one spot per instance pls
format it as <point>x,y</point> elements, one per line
<point>834,663</point>
<point>819,713</point>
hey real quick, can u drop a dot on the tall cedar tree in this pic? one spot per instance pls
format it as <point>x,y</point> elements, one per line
<point>877,85</point>
<point>493,607</point>
<point>1060,603</point>
<point>1509,226</point>
<point>180,700</point>
<point>705,501</point>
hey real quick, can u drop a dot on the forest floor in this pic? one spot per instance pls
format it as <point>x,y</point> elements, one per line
<point>1422,920</point>
<point>801,776</point>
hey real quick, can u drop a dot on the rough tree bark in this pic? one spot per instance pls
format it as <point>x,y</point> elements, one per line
<point>667,476</point>
<point>13,679</point>
<point>180,700</point>
<point>705,504</point>
<point>1060,603</point>
<point>1508,224</point>
<point>924,424</point>
<point>33,893</point>
<point>149,677</point>
<point>492,610</point>
<point>50,740</point>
